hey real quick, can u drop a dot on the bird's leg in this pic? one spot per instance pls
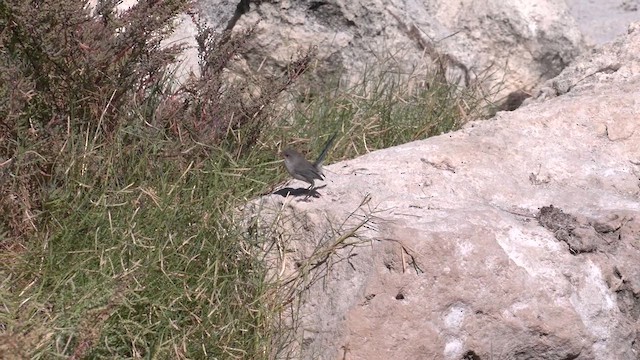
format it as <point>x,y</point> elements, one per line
<point>309,191</point>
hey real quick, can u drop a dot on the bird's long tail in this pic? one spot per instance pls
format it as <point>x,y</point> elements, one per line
<point>323,154</point>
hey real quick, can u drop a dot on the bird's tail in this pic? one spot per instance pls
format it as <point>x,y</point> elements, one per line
<point>323,154</point>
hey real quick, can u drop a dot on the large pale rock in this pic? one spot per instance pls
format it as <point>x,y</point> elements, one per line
<point>509,44</point>
<point>602,21</point>
<point>514,238</point>
<point>610,63</point>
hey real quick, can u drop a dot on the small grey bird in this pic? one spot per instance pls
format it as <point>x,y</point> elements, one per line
<point>302,169</point>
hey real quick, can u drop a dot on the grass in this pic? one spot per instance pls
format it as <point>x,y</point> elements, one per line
<point>119,237</point>
<point>148,261</point>
<point>386,107</point>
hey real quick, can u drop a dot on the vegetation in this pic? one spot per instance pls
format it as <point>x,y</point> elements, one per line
<point>118,186</point>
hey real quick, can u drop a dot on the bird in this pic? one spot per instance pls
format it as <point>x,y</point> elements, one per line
<point>301,169</point>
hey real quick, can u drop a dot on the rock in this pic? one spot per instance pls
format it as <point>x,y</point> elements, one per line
<point>449,248</point>
<point>613,62</point>
<point>509,45</point>
<point>602,21</point>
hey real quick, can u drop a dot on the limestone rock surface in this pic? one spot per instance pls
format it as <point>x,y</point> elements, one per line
<point>516,237</point>
<point>507,43</point>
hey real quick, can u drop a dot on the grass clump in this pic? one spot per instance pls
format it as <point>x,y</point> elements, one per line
<point>117,186</point>
<point>387,106</point>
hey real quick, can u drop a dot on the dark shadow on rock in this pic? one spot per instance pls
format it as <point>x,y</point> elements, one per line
<point>284,192</point>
